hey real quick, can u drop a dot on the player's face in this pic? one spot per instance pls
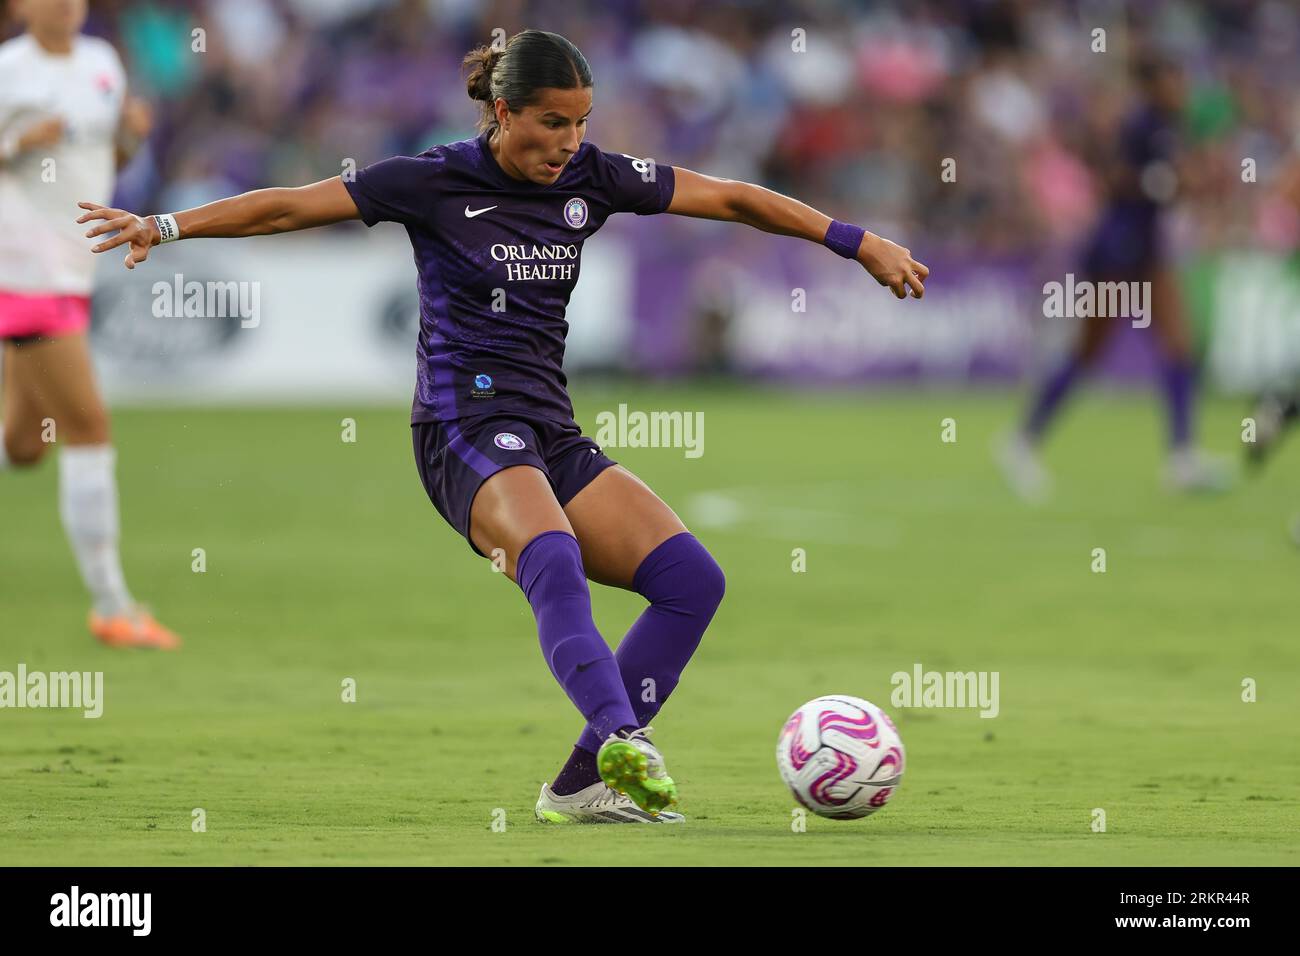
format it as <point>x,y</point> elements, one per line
<point>543,137</point>
<point>52,17</point>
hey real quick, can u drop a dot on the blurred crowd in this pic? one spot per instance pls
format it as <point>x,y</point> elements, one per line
<point>851,106</point>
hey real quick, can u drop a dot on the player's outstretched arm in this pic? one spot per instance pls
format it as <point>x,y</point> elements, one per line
<point>261,212</point>
<point>706,197</point>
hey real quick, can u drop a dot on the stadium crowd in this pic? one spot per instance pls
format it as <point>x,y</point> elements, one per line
<point>851,106</point>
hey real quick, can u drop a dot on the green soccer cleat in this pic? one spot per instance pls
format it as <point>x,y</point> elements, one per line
<point>632,765</point>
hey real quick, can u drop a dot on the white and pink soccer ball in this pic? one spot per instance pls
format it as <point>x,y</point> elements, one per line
<point>840,756</point>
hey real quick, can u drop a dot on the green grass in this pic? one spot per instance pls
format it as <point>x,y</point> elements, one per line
<point>325,561</point>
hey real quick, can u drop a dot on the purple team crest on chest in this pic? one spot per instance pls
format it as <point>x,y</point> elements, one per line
<point>575,213</point>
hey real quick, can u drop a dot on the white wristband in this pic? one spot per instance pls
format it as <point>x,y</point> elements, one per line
<point>167,228</point>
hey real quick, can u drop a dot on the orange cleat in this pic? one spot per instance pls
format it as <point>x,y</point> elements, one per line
<point>136,628</point>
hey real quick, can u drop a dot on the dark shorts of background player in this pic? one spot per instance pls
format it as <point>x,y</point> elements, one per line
<point>1119,252</point>
<point>455,458</point>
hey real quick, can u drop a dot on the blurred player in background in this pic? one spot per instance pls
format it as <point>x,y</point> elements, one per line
<point>497,224</point>
<point>66,124</point>
<point>1139,177</point>
<point>1277,410</point>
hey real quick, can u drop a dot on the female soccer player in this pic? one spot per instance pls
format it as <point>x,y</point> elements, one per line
<point>64,120</point>
<point>497,224</point>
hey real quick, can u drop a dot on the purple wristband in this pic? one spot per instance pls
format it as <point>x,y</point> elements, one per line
<point>843,238</point>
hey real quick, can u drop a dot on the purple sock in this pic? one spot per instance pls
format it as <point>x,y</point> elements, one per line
<point>1178,380</point>
<point>684,586</point>
<point>1048,399</point>
<point>577,774</point>
<point>550,573</point>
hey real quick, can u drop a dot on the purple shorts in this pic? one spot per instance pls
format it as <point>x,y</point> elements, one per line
<point>455,458</point>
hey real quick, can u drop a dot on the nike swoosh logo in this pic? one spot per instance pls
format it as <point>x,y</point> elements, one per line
<point>471,215</point>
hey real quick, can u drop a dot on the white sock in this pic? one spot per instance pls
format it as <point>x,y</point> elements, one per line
<point>4,455</point>
<point>88,506</point>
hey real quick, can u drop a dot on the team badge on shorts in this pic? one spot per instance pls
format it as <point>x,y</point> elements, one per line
<point>575,213</point>
<point>508,441</point>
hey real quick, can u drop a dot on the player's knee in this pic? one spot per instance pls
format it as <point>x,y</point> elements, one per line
<point>84,426</point>
<point>552,563</point>
<point>695,581</point>
<point>709,582</point>
<point>23,451</point>
<point>1177,351</point>
<point>1090,349</point>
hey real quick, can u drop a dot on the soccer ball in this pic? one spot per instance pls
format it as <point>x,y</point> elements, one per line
<point>840,756</point>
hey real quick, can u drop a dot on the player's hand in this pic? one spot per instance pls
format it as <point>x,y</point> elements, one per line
<point>46,132</point>
<point>892,265</point>
<point>139,232</point>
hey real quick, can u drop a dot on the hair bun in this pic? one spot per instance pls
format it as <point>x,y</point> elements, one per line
<point>481,62</point>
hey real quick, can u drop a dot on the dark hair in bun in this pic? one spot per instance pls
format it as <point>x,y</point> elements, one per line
<point>532,60</point>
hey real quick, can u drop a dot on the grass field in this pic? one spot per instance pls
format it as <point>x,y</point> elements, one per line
<point>325,561</point>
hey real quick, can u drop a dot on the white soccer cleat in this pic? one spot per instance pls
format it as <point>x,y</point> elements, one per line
<point>1191,470</point>
<point>596,804</point>
<point>1022,468</point>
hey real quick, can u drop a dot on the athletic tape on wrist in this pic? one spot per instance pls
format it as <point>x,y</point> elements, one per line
<point>843,238</point>
<point>167,228</point>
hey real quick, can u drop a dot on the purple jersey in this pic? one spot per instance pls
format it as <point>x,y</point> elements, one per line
<point>497,260</point>
<point>1127,239</point>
